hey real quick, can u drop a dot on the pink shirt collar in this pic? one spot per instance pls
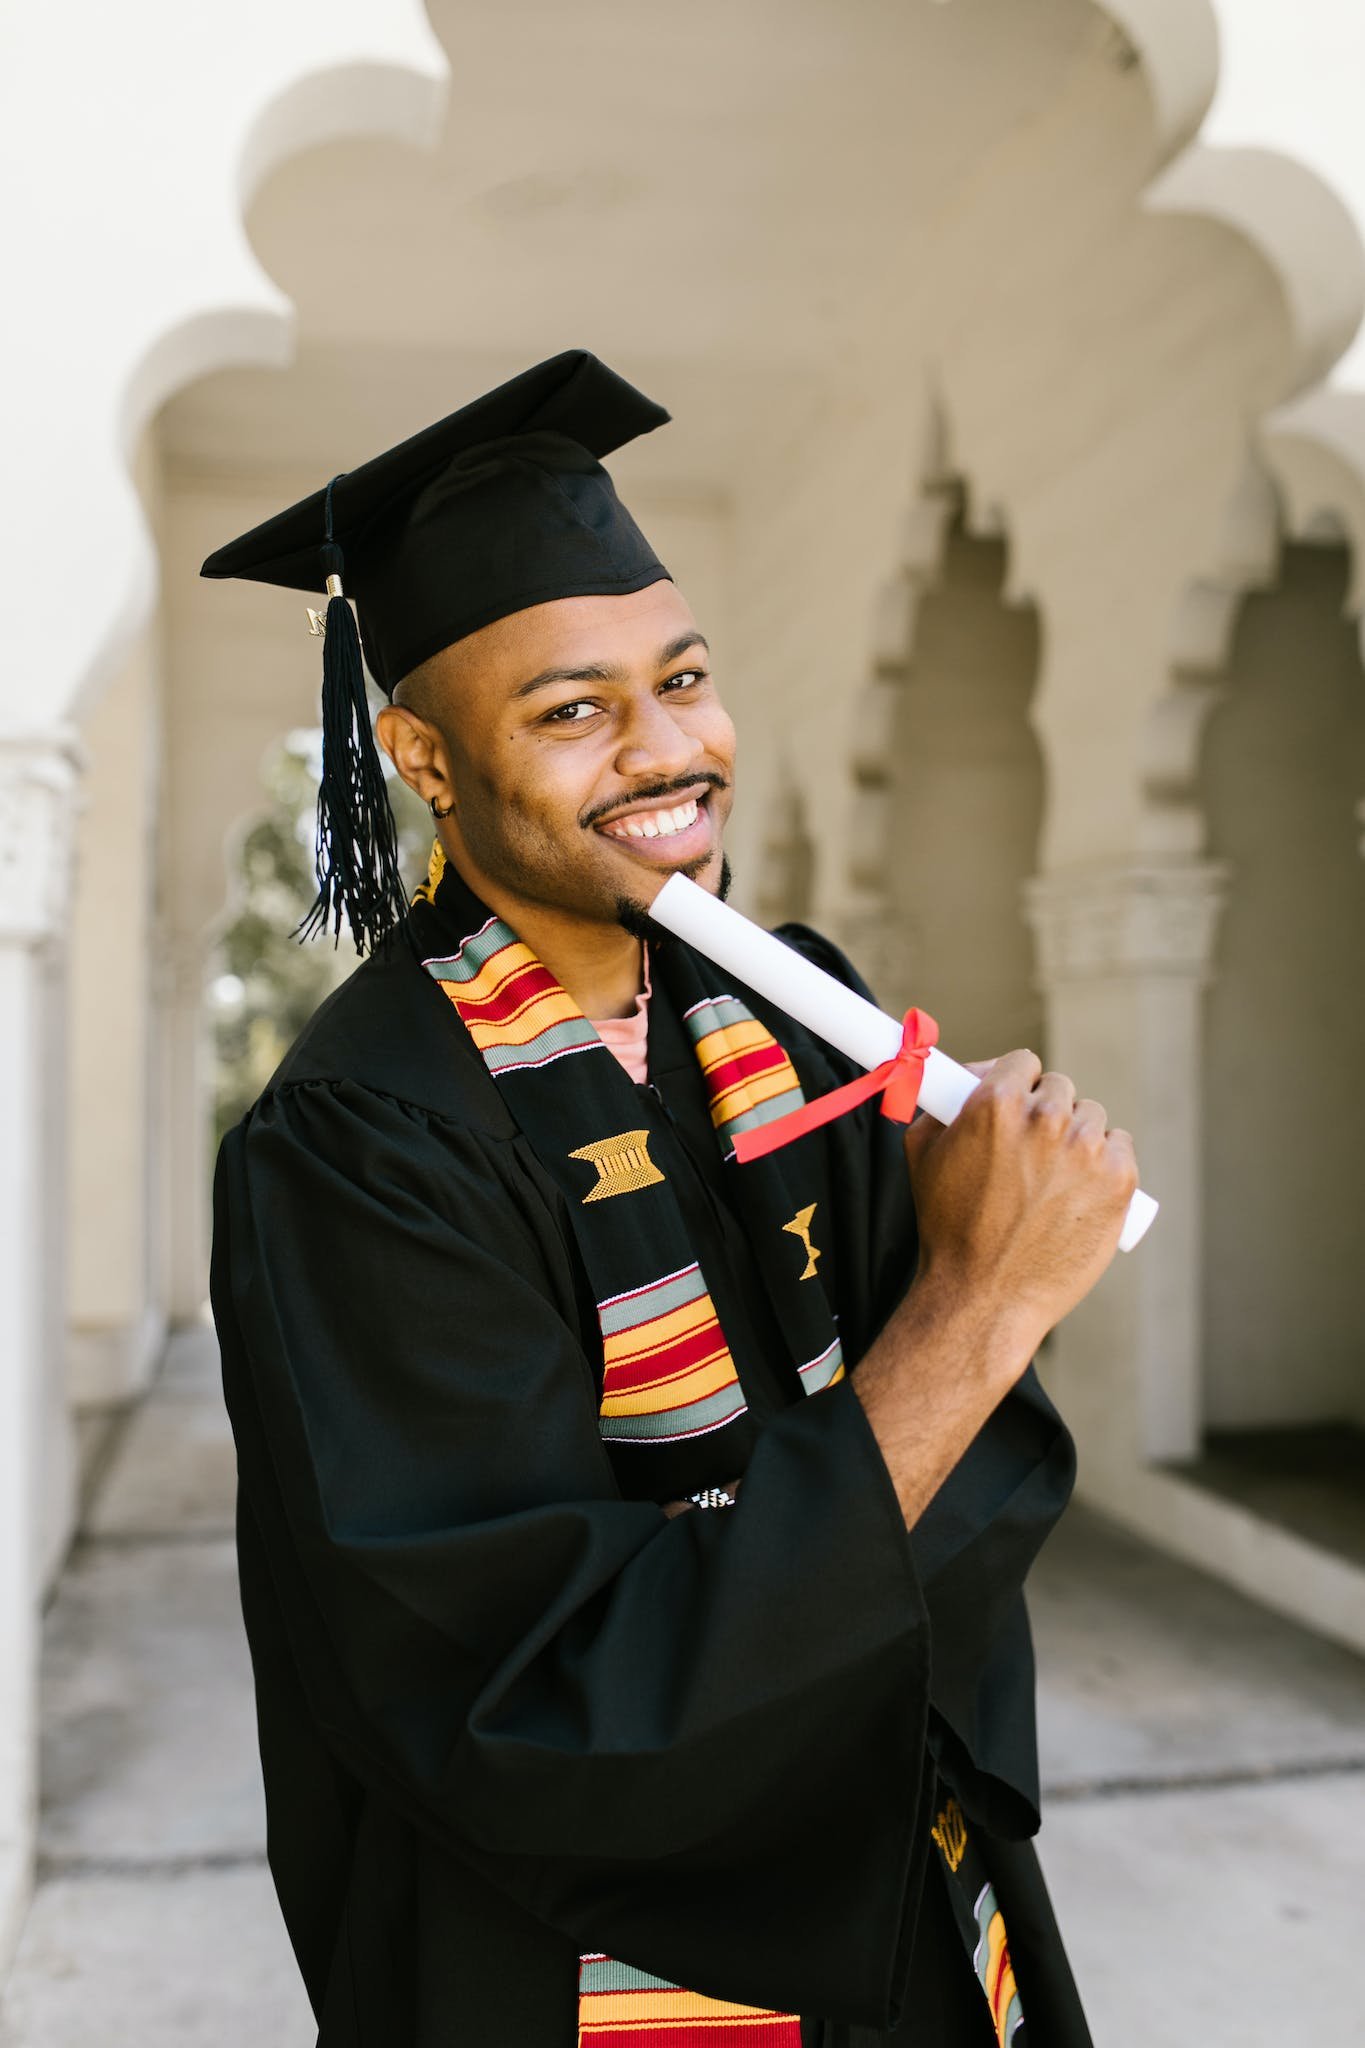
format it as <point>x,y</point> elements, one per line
<point>627,1037</point>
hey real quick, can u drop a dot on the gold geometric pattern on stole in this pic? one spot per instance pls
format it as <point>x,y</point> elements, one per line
<point>623,1165</point>
<point>436,867</point>
<point>950,1832</point>
<point>800,1227</point>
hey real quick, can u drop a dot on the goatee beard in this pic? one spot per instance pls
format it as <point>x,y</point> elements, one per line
<point>638,922</point>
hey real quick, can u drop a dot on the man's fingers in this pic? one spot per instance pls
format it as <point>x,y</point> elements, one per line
<point>1090,1118</point>
<point>1054,1095</point>
<point>1015,1071</point>
<point>1122,1151</point>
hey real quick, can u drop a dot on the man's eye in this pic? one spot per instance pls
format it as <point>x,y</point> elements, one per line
<point>686,676</point>
<point>567,714</point>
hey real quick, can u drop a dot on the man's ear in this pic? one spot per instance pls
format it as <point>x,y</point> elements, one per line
<point>417,751</point>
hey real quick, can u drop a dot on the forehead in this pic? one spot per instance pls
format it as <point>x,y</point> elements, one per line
<point>574,632</point>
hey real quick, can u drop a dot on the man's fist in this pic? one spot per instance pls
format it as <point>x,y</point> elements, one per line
<point>1021,1199</point>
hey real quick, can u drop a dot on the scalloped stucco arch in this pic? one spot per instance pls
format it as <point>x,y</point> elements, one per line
<point>1140,579</point>
<point>238,315</point>
<point>1306,246</point>
<point>1304,465</point>
<point>1176,42</point>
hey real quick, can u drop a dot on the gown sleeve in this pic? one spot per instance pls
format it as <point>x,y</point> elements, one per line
<point>696,1743</point>
<point>975,1542</point>
<point>973,1547</point>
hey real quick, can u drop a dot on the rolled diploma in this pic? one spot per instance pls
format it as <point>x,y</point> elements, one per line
<point>839,1015</point>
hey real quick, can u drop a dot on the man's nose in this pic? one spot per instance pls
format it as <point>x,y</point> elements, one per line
<point>655,744</point>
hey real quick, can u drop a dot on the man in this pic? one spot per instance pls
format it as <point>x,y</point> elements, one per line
<point>631,1541</point>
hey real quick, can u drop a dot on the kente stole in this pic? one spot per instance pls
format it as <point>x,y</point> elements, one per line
<point>669,1378</point>
<point>980,1920</point>
<point>668,1374</point>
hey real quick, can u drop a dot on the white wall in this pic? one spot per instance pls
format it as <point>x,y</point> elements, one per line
<point>967,808</point>
<point>114,1309</point>
<point>1284,768</point>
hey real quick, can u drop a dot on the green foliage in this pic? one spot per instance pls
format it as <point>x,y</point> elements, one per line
<point>267,984</point>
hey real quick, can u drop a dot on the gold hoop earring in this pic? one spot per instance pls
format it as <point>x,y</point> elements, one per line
<point>440,814</point>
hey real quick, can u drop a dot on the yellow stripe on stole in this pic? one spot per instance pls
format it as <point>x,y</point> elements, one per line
<point>539,1014</point>
<point>623,1345</point>
<point>999,1991</point>
<point>694,1383</point>
<point>601,2010</point>
<point>748,1094</point>
<point>687,1383</point>
<point>541,1011</point>
<point>496,971</point>
<point>728,1040</point>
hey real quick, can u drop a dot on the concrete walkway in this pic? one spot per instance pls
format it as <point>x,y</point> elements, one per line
<point>1205,1837</point>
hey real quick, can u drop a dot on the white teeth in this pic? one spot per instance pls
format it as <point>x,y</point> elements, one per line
<point>656,824</point>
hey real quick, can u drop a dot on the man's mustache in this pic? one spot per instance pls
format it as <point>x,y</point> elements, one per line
<point>658,792</point>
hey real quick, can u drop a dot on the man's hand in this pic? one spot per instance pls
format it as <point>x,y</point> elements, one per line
<point>1019,1202</point>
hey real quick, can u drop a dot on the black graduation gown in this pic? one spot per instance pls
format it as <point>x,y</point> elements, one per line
<point>509,1713</point>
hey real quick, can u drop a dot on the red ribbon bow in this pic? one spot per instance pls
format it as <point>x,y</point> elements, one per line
<point>896,1080</point>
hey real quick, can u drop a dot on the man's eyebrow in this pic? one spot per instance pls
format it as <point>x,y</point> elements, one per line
<point>595,672</point>
<point>605,672</point>
<point>680,646</point>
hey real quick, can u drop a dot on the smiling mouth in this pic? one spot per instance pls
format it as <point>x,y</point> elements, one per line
<point>669,821</point>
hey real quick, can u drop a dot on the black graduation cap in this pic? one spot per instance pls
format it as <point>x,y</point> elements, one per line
<point>501,505</point>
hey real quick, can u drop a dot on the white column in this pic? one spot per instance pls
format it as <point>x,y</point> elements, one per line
<point>37,784</point>
<point>877,937</point>
<point>1124,954</point>
<point>115,1313</point>
<point>183,1116</point>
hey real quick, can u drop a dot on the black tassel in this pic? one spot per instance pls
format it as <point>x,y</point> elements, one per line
<point>357,841</point>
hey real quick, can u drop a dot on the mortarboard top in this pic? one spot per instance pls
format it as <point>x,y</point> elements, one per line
<point>501,505</point>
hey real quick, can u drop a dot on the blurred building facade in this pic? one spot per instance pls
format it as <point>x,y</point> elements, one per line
<point>1007,480</point>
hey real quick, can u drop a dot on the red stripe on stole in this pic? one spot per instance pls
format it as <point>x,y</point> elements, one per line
<point>745,1066</point>
<point>625,1375</point>
<point>513,995</point>
<point>776,2031</point>
<point>1003,1968</point>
